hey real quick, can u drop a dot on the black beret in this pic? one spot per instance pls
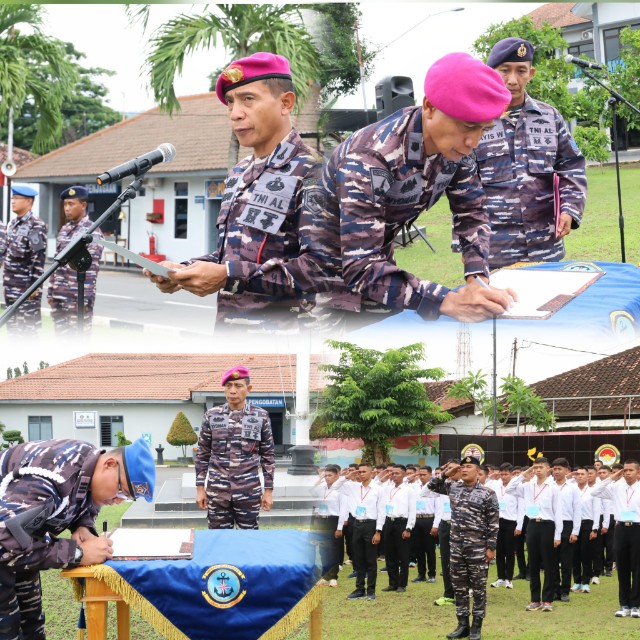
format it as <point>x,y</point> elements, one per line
<point>470,460</point>
<point>82,193</point>
<point>510,50</point>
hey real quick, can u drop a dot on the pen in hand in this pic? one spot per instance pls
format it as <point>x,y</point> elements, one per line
<point>104,528</point>
<point>481,282</point>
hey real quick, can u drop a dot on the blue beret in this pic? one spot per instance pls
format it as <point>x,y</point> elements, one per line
<point>140,470</point>
<point>470,460</point>
<point>27,192</point>
<point>82,193</point>
<point>510,50</point>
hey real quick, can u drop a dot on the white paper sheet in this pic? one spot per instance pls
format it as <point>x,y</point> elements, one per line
<point>538,288</point>
<point>145,263</point>
<point>151,543</point>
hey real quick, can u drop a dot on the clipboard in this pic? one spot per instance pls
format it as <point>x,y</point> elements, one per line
<point>136,258</point>
<point>152,544</point>
<point>556,203</point>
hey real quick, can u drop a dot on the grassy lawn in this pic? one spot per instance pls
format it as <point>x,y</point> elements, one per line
<point>406,616</point>
<point>598,238</point>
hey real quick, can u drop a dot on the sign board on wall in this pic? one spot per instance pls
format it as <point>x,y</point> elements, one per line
<point>85,419</point>
<point>267,402</point>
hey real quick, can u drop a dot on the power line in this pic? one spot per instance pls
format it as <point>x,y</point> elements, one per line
<point>553,346</point>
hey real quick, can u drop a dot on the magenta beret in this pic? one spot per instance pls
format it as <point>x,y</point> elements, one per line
<point>259,66</point>
<point>466,89</point>
<point>235,373</point>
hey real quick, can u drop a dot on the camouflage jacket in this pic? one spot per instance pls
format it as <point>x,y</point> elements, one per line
<point>3,240</point>
<point>475,512</point>
<point>259,231</point>
<point>516,164</point>
<point>63,285</point>
<point>232,444</point>
<point>50,474</point>
<point>25,255</point>
<point>380,179</point>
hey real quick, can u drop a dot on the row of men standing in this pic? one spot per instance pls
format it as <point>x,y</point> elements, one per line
<point>23,247</point>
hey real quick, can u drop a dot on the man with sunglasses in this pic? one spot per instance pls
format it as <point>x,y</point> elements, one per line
<point>47,487</point>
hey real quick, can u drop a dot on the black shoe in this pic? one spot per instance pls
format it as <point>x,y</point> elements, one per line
<point>608,574</point>
<point>353,574</point>
<point>476,629</point>
<point>462,631</point>
<point>401,589</point>
<point>389,589</point>
<point>564,597</point>
<point>419,579</point>
<point>356,595</point>
<point>383,570</point>
<point>519,577</point>
<point>371,596</point>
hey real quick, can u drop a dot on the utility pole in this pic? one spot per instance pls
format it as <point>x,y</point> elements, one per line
<point>495,380</point>
<point>361,68</point>
<point>514,354</point>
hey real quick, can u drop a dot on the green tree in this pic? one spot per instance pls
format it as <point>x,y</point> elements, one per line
<point>11,437</point>
<point>376,396</point>
<point>84,110</point>
<point>552,74</point>
<point>33,69</point>
<point>473,387</point>
<point>123,441</point>
<point>181,433</point>
<point>9,373</point>
<point>593,142</point>
<point>339,69</point>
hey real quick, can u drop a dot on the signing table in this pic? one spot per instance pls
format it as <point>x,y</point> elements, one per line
<point>239,584</point>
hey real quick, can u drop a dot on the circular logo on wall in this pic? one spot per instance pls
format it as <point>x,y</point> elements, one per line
<point>623,325</point>
<point>223,586</point>
<point>473,450</point>
<point>607,454</point>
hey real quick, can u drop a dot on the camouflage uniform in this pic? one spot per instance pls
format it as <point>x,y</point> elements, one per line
<point>259,230</point>
<point>63,286</point>
<point>23,265</point>
<point>3,241</point>
<point>52,476</point>
<point>475,518</point>
<point>516,163</point>
<point>230,447</point>
<point>378,180</point>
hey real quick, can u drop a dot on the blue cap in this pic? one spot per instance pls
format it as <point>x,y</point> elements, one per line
<point>82,193</point>
<point>27,192</point>
<point>140,470</point>
<point>510,50</point>
<point>470,460</point>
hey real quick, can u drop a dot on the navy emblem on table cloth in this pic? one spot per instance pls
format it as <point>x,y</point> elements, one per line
<point>224,586</point>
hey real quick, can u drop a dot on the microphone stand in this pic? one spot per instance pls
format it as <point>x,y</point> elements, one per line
<point>613,102</point>
<point>75,254</point>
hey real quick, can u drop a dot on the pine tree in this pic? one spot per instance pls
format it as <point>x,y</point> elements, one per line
<point>181,433</point>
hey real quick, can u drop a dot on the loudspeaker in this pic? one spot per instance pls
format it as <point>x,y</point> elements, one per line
<point>393,93</point>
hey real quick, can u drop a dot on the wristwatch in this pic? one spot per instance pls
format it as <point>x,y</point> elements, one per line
<point>79,554</point>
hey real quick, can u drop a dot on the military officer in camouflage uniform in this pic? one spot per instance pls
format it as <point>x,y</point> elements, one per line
<point>518,161</point>
<point>235,439</point>
<point>47,487</point>
<point>259,224</point>
<point>475,516</point>
<point>63,285</point>
<point>385,175</point>
<point>24,261</point>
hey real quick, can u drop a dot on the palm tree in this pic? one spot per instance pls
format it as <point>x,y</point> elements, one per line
<point>33,67</point>
<point>242,29</point>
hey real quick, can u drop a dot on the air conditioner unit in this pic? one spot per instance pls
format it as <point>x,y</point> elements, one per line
<point>154,183</point>
<point>587,34</point>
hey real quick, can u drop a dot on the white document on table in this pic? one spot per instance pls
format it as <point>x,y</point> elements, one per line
<point>131,544</point>
<point>145,263</point>
<point>541,292</point>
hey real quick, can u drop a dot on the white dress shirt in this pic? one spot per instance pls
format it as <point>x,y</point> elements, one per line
<point>399,502</point>
<point>570,504</point>
<point>590,506</point>
<point>330,502</point>
<point>511,507</point>
<point>443,510</point>
<point>426,500</point>
<point>364,503</point>
<point>625,499</point>
<point>540,500</point>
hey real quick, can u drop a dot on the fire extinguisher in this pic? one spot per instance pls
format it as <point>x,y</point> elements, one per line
<point>152,244</point>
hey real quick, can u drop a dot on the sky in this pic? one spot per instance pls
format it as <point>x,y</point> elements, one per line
<point>109,40</point>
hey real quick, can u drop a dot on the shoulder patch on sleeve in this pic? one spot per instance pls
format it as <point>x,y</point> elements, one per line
<point>381,181</point>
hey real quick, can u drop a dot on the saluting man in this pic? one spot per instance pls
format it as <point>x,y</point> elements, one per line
<point>63,285</point>
<point>24,261</point>
<point>475,517</point>
<point>528,148</point>
<point>235,439</point>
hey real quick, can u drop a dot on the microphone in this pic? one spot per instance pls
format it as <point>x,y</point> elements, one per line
<point>585,64</point>
<point>164,153</point>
